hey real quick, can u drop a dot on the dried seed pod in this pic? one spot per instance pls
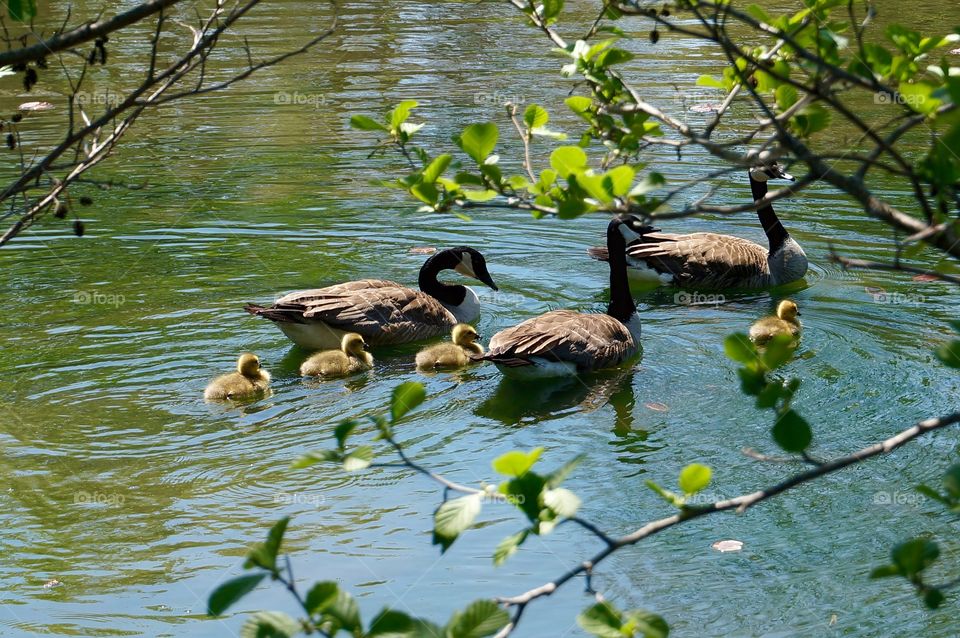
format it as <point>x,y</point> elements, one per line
<point>85,201</point>
<point>92,58</point>
<point>78,228</point>
<point>654,36</point>
<point>11,141</point>
<point>61,210</point>
<point>16,117</point>
<point>665,12</point>
<point>42,63</point>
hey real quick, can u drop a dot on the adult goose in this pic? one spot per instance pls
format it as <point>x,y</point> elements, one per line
<point>710,260</point>
<point>382,312</point>
<point>565,342</point>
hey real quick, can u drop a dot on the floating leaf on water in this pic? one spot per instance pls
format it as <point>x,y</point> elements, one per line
<point>728,546</point>
<point>422,250</point>
<point>50,584</point>
<point>925,278</point>
<point>955,51</point>
<point>873,290</point>
<point>35,106</point>
<point>658,407</point>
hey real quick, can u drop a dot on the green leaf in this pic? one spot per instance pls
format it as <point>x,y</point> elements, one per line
<point>933,598</point>
<point>524,493</point>
<point>786,96</point>
<point>231,591</point>
<point>779,350</point>
<point>752,381</point>
<point>508,546</point>
<point>739,348</point>
<point>390,624</point>
<point>365,123</point>
<point>915,555</point>
<point>359,458</point>
<point>22,10</point>
<point>516,463</point>
<point>400,113</point>
<point>559,475</point>
<point>535,116</point>
<point>646,624</point>
<point>580,105</point>
<point>264,555</point>
<point>562,501</point>
<point>694,478</point>
<point>478,140</point>
<point>345,611</point>
<point>792,433</point>
<point>318,456</point>
<point>567,160</point>
<point>885,571</point>
<point>665,494</point>
<point>602,620</point>
<point>406,397</point>
<point>949,354</point>
<point>321,596</point>
<point>481,618</point>
<point>617,181</point>
<point>270,624</point>
<point>710,81</point>
<point>769,395</point>
<point>951,481</point>
<point>426,192</point>
<point>613,56</point>
<point>480,196</point>
<point>395,624</point>
<point>454,517</point>
<point>437,167</point>
<point>342,431</point>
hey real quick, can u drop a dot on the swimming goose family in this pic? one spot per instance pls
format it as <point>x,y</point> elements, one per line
<point>343,319</point>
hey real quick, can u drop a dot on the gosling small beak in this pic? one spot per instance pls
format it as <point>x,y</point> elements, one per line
<point>366,347</point>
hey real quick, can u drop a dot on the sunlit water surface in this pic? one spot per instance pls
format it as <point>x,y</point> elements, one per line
<point>120,482</point>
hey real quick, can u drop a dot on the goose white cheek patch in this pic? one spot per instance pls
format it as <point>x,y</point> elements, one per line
<point>465,267</point>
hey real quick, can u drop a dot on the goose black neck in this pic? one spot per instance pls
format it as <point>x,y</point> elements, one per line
<point>451,295</point>
<point>621,305</point>
<point>776,233</point>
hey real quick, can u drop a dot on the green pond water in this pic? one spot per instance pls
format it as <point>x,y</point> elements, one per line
<point>119,481</point>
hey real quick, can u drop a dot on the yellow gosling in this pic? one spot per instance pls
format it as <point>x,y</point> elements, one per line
<point>786,322</point>
<point>452,355</point>
<point>248,381</point>
<point>352,357</point>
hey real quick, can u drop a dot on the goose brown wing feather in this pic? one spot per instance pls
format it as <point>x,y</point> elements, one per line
<point>383,312</point>
<point>590,341</point>
<point>702,257</point>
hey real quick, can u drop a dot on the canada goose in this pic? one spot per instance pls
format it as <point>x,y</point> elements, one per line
<point>248,381</point>
<point>565,342</point>
<point>785,322</point>
<point>452,355</point>
<point>381,311</point>
<point>350,358</point>
<point>718,261</point>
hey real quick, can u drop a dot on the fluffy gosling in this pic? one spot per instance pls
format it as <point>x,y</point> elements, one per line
<point>352,357</point>
<point>785,322</point>
<point>452,355</point>
<point>248,381</point>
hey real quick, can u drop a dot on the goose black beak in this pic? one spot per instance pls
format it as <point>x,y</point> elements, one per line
<point>485,277</point>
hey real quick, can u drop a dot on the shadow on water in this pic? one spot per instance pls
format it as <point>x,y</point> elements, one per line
<point>523,402</point>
